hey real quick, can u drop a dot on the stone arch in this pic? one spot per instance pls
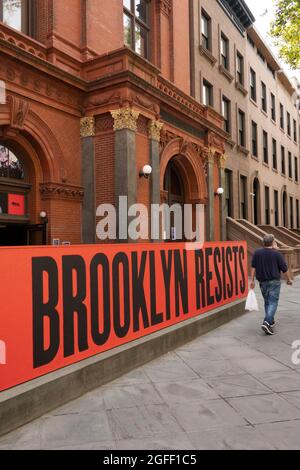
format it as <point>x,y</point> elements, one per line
<point>39,138</point>
<point>191,169</point>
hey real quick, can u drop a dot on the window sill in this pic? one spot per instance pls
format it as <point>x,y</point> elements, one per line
<point>266,165</point>
<point>231,142</point>
<point>264,112</point>
<point>273,122</point>
<point>283,175</point>
<point>208,55</point>
<point>226,73</point>
<point>290,179</point>
<point>275,170</point>
<point>282,130</point>
<point>289,137</point>
<point>253,102</point>
<point>242,149</point>
<point>241,88</point>
<point>254,158</point>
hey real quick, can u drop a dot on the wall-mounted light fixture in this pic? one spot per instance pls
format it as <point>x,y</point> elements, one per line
<point>44,219</point>
<point>219,192</point>
<point>146,171</point>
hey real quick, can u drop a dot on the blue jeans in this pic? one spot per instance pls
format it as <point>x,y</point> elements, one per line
<point>270,291</point>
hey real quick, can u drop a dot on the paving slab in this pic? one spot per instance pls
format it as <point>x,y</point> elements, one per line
<point>232,388</point>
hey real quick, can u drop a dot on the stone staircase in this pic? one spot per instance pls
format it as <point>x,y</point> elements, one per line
<point>242,229</point>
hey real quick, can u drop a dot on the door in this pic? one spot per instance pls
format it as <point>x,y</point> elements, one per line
<point>175,195</point>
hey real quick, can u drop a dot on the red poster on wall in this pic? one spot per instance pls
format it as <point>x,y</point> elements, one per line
<point>60,305</point>
<point>16,204</point>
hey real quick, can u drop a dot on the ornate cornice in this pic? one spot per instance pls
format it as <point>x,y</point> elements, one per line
<point>125,118</point>
<point>155,128</point>
<point>87,127</point>
<point>60,191</point>
<point>165,6</point>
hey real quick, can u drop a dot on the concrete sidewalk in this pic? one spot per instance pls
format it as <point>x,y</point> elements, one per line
<point>233,388</point>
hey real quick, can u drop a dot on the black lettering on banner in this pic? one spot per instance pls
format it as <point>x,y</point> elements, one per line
<point>209,276</point>
<point>138,293</point>
<point>100,260</point>
<point>167,271</point>
<point>217,259</point>
<point>181,282</point>
<point>235,252</point>
<point>41,310</point>
<point>241,258</point>
<point>121,260</point>
<point>228,267</point>
<point>74,303</point>
<point>156,317</point>
<point>200,281</point>
<point>224,274</point>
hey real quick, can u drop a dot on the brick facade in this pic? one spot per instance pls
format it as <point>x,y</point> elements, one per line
<point>63,90</point>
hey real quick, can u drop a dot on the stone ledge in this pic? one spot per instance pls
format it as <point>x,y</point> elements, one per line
<point>31,400</point>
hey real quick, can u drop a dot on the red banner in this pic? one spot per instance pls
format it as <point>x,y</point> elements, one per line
<point>60,305</point>
<point>16,204</point>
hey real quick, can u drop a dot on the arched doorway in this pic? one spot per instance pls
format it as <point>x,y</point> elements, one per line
<point>174,195</point>
<point>284,209</point>
<point>256,202</point>
<point>15,188</point>
<point>183,181</point>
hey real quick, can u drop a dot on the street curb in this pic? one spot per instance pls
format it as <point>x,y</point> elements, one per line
<point>31,400</point>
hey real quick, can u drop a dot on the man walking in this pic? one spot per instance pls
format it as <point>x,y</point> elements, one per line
<point>267,265</point>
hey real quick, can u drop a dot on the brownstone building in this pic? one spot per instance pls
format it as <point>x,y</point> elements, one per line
<point>83,114</point>
<point>92,91</point>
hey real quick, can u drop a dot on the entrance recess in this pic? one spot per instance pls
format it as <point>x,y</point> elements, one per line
<point>15,227</point>
<point>174,188</point>
<point>256,202</point>
<point>284,209</point>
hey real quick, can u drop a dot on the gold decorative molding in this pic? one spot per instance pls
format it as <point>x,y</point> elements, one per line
<point>87,127</point>
<point>125,118</point>
<point>211,156</point>
<point>222,161</point>
<point>155,128</point>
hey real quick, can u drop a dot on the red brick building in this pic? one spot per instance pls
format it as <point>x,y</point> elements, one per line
<point>83,113</point>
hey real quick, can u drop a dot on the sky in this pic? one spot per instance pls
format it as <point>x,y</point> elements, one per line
<point>264,12</point>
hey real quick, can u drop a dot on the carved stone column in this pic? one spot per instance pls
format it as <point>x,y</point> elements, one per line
<point>155,128</point>
<point>222,179</point>
<point>125,127</point>
<point>210,214</point>
<point>87,133</point>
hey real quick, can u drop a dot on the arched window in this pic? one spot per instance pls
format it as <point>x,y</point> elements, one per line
<point>10,165</point>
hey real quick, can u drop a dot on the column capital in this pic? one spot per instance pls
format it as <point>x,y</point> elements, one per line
<point>155,128</point>
<point>125,118</point>
<point>211,156</point>
<point>87,126</point>
<point>222,161</point>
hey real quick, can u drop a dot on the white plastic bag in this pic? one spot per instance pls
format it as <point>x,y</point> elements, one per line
<point>251,302</point>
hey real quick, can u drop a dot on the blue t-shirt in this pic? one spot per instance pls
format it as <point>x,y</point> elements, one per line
<point>269,264</point>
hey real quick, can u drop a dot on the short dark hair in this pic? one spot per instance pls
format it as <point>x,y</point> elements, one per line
<point>268,240</point>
